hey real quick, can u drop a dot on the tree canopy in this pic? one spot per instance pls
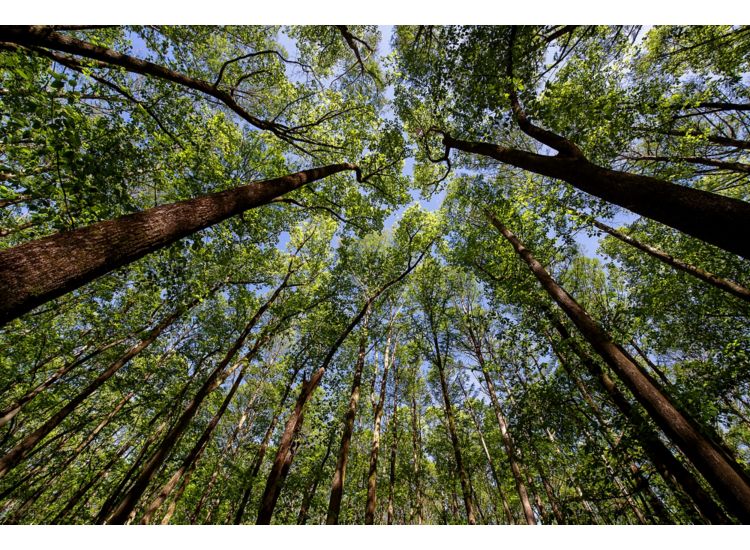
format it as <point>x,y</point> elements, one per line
<point>350,274</point>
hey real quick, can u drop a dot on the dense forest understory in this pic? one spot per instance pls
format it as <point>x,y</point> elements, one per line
<point>367,275</point>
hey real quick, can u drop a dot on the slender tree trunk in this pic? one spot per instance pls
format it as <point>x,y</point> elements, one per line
<point>304,508</point>
<point>10,412</point>
<point>260,455</point>
<point>372,474</point>
<point>508,443</point>
<point>393,429</point>
<point>194,455</point>
<point>453,433</point>
<point>727,285</point>
<point>27,444</point>
<point>130,499</point>
<point>416,455</point>
<point>39,271</point>
<point>490,461</point>
<point>719,469</point>
<point>339,474</point>
<point>715,219</point>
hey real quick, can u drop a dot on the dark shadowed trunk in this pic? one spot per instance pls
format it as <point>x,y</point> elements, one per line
<point>720,470</point>
<point>339,474</point>
<point>715,219</point>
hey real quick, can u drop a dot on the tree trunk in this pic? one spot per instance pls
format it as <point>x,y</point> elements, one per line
<point>490,461</point>
<point>372,474</point>
<point>715,219</point>
<point>393,428</point>
<point>304,508</point>
<point>10,412</point>
<point>339,474</point>
<point>508,443</point>
<point>39,271</point>
<point>719,469</point>
<point>727,285</point>
<point>453,433</point>
<point>276,476</point>
<point>416,454</point>
<point>27,444</point>
<point>258,462</point>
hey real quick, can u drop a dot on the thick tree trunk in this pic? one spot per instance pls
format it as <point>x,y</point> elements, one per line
<point>674,473</point>
<point>339,474</point>
<point>720,470</point>
<point>27,444</point>
<point>38,271</point>
<point>727,285</point>
<point>715,219</point>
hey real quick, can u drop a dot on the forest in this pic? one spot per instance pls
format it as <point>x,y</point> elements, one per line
<point>355,274</point>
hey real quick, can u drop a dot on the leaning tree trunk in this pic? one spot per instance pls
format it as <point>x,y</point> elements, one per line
<point>339,474</point>
<point>488,456</point>
<point>727,285</point>
<point>276,476</point>
<point>39,271</point>
<point>249,479</point>
<point>674,473</point>
<point>715,219</point>
<point>27,444</point>
<point>129,500</point>
<point>719,469</point>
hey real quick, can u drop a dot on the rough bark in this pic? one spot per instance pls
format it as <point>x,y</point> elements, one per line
<point>715,219</point>
<point>36,272</point>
